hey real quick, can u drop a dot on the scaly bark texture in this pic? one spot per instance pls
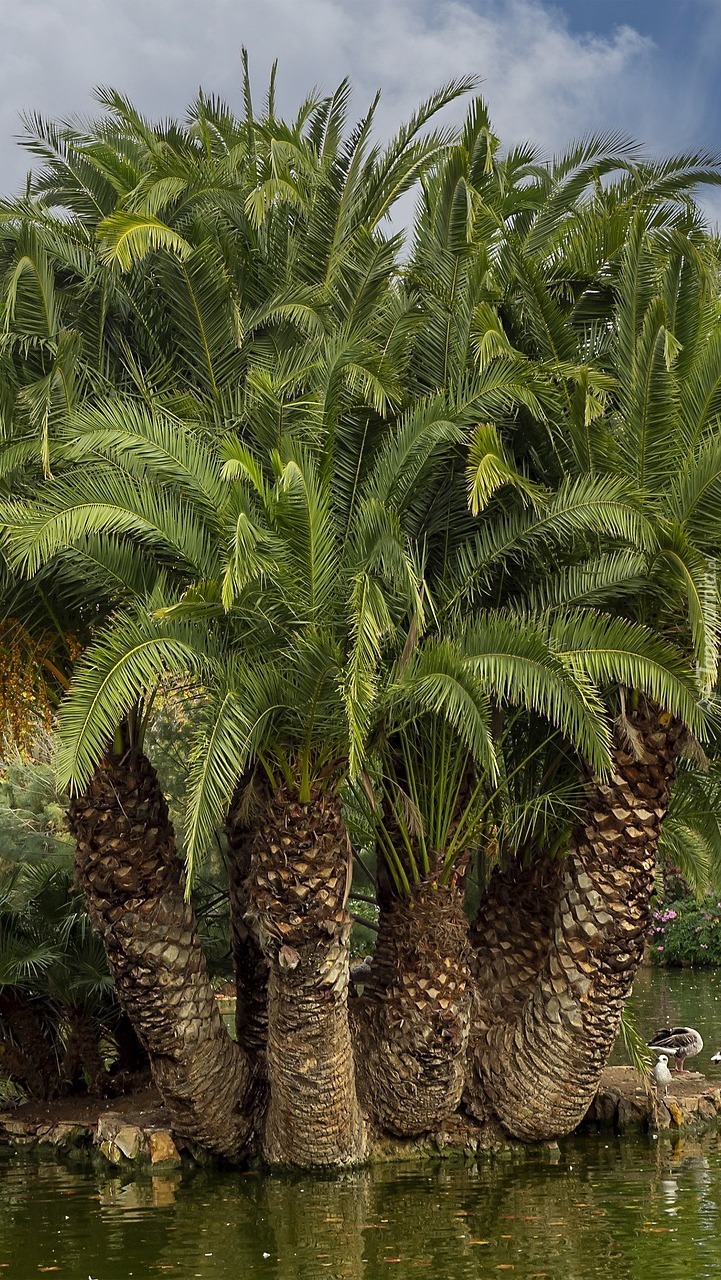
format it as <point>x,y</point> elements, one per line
<point>83,1060</point>
<point>413,1019</point>
<point>539,1068</point>
<point>511,935</point>
<point>28,1047</point>
<point>250,965</point>
<point>510,939</point>
<point>297,892</point>
<point>126,861</point>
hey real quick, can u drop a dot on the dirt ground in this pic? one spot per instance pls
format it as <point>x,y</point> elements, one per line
<point>620,1089</point>
<point>143,1108</point>
<point>628,1083</point>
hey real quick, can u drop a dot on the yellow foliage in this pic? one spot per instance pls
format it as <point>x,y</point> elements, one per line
<point>30,683</point>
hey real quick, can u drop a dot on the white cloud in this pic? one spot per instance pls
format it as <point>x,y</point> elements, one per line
<point>542,81</point>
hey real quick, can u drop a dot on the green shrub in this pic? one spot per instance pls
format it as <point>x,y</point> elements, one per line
<point>687,932</point>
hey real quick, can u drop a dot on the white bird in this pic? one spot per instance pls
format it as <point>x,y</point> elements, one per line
<point>717,1057</point>
<point>679,1043</point>
<point>662,1075</point>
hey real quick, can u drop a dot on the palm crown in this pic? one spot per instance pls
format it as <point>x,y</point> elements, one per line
<point>327,530</point>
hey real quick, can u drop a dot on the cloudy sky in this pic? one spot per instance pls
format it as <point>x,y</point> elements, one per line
<point>550,70</point>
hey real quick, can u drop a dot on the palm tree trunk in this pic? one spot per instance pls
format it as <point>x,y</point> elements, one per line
<point>298,887</point>
<point>538,1066</point>
<point>413,1019</point>
<point>28,1043</point>
<point>250,965</point>
<point>510,938</point>
<point>82,1058</point>
<point>511,935</point>
<point>127,863</point>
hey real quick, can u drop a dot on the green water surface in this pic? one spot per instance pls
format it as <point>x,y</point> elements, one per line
<point>599,1207</point>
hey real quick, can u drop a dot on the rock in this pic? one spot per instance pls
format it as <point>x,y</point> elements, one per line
<point>162,1147</point>
<point>17,1129</point>
<point>110,1151</point>
<point>118,1140</point>
<point>675,1111</point>
<point>605,1107</point>
<point>65,1133</point>
<point>706,1108</point>
<point>130,1141</point>
<point>632,1113</point>
<point>108,1126</point>
<point>661,1118</point>
<point>689,1110</point>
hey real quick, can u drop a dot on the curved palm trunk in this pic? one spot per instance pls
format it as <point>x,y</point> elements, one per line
<point>510,939</point>
<point>413,1019</point>
<point>297,890</point>
<point>511,936</point>
<point>539,1065</point>
<point>126,862</point>
<point>249,963</point>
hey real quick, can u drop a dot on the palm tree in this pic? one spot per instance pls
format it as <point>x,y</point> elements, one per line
<point>649,415</point>
<point>498,261</point>
<point>256,231</point>
<point>327,534</point>
<point>306,574</point>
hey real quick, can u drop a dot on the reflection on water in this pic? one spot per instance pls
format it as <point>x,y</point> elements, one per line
<point>631,1210</point>
<point>598,1208</point>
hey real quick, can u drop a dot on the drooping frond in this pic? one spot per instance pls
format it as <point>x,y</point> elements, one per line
<point>120,669</point>
<point>614,651</point>
<point>513,658</point>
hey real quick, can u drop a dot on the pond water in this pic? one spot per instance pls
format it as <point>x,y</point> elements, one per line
<point>679,998</point>
<point>641,1209</point>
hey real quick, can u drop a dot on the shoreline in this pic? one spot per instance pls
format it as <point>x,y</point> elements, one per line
<point>132,1131</point>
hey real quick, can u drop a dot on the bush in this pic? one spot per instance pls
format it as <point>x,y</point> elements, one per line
<point>61,1027</point>
<point>687,932</point>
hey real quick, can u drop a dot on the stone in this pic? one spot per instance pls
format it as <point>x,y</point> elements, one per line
<point>108,1125</point>
<point>706,1108</point>
<point>632,1114</point>
<point>110,1151</point>
<point>605,1107</point>
<point>67,1133</point>
<point>130,1141</point>
<point>17,1129</point>
<point>675,1112</point>
<point>661,1118</point>
<point>162,1147</point>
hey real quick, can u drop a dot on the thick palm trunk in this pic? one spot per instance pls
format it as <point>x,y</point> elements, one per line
<point>127,863</point>
<point>249,963</point>
<point>28,1044</point>
<point>539,1065</point>
<point>413,1020</point>
<point>510,939</point>
<point>511,935</point>
<point>297,889</point>
<point>83,1059</point>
